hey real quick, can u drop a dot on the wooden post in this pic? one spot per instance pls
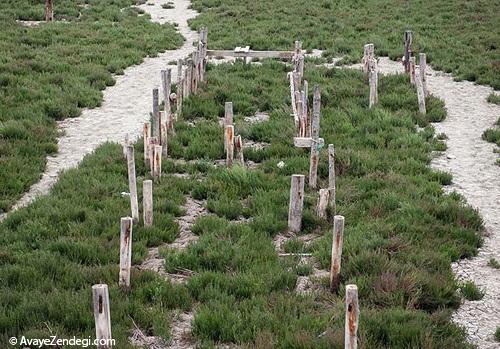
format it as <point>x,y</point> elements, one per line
<point>296,203</point>
<point>338,237</point>
<point>229,136</point>
<point>331,177</point>
<point>324,195</point>
<point>156,113</point>
<point>166,78</point>
<point>153,141</point>
<point>238,150</point>
<point>423,72</point>
<point>351,317</point>
<point>228,119</point>
<point>147,201</point>
<point>204,41</point>
<point>180,87</point>
<point>126,143</point>
<point>292,97</point>
<point>373,81</point>
<point>194,73</point>
<point>49,10</point>
<point>420,92</point>
<point>164,127</point>
<point>407,50</point>
<point>125,251</point>
<point>368,55</point>
<point>147,135</point>
<point>132,184</point>
<point>189,77</point>
<point>102,315</point>
<point>157,162</point>
<point>302,127</point>
<point>412,70</point>
<point>304,96</point>
<point>315,146</point>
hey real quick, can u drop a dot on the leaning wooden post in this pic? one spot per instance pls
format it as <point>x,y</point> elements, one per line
<point>49,10</point>
<point>229,136</point>
<point>147,135</point>
<point>420,92</point>
<point>166,78</point>
<point>324,195</point>
<point>338,237</point>
<point>156,113</point>
<point>331,176</point>
<point>412,70</point>
<point>147,200</point>
<point>351,317</point>
<point>180,87</point>
<point>157,162</point>
<point>102,315</point>
<point>407,50</point>
<point>132,184</point>
<point>372,78</point>
<point>423,72</point>
<point>296,203</point>
<point>125,251</point>
<point>315,145</point>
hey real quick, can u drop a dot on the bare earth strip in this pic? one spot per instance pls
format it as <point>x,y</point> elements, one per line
<point>471,161</point>
<point>125,107</point>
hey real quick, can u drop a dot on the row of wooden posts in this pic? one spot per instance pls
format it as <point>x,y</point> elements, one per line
<point>417,73</point>
<point>156,135</point>
<point>307,125</point>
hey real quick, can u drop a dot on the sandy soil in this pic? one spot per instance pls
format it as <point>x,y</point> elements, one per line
<point>125,108</point>
<point>471,161</point>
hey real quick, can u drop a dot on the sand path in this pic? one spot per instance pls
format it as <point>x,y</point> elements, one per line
<point>471,161</point>
<point>125,107</point>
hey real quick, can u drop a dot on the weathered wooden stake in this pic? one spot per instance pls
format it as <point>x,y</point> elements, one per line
<point>420,92</point>
<point>229,136</point>
<point>324,195</point>
<point>292,97</point>
<point>156,113</point>
<point>315,147</point>
<point>157,162</point>
<point>180,87</point>
<point>132,184</point>
<point>147,201</point>
<point>194,73</point>
<point>331,177</point>
<point>423,72</point>
<point>189,77</point>
<point>228,113</point>
<point>296,203</point>
<point>164,126</point>
<point>238,150</point>
<point>412,70</point>
<point>147,135</point>
<point>102,315</point>
<point>338,237</point>
<point>125,251</point>
<point>407,50</point>
<point>368,55</point>
<point>49,10</point>
<point>166,78</point>
<point>373,81</point>
<point>351,317</point>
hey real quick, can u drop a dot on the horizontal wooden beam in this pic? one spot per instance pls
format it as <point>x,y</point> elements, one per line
<point>251,54</point>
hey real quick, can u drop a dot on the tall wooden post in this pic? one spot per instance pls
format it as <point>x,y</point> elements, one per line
<point>296,203</point>
<point>324,195</point>
<point>180,89</point>
<point>125,251</point>
<point>189,77</point>
<point>153,141</point>
<point>164,127</point>
<point>420,92</point>
<point>157,162</point>
<point>229,136</point>
<point>351,317</point>
<point>338,238</point>
<point>368,55</point>
<point>423,72</point>
<point>331,176</point>
<point>147,201</point>
<point>373,81</point>
<point>102,315</point>
<point>315,145</point>
<point>156,113</point>
<point>412,70</point>
<point>146,136</point>
<point>49,10</point>
<point>407,50</point>
<point>166,78</point>
<point>132,184</point>
<point>194,73</point>
<point>228,120</point>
